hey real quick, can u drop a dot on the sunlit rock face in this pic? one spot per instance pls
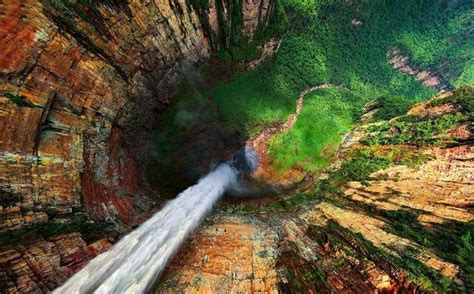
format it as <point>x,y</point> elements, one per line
<point>78,85</point>
<point>37,266</point>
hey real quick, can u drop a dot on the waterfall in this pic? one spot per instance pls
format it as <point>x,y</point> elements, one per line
<point>134,263</point>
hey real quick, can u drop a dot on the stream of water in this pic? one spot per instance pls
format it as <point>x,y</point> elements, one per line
<point>134,263</point>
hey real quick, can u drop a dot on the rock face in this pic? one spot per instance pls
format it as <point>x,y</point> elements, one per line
<point>78,84</point>
<point>233,255</point>
<point>69,83</point>
<point>425,76</point>
<point>249,17</point>
<point>42,265</point>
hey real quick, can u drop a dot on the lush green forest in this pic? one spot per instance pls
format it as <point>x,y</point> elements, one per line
<point>342,43</point>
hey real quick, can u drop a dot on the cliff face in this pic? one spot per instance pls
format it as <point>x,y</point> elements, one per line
<point>424,76</point>
<point>77,84</point>
<point>38,267</point>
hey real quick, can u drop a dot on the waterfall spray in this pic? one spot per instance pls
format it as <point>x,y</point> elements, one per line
<point>135,262</point>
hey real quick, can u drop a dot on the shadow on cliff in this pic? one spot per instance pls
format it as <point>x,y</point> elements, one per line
<point>450,239</point>
<point>191,136</point>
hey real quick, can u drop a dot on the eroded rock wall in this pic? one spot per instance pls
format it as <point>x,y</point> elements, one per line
<point>41,266</point>
<point>76,101</point>
<point>232,24</point>
<point>72,79</point>
<point>425,76</point>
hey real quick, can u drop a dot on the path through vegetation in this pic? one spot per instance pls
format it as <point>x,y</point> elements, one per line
<point>260,142</point>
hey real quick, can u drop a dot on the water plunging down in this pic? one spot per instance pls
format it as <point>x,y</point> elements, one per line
<point>134,263</point>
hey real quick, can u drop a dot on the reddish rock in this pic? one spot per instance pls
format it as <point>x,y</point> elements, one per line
<point>42,265</point>
<point>110,194</point>
<point>81,78</point>
<point>99,247</point>
<point>426,77</point>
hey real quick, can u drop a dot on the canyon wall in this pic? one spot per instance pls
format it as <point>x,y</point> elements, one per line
<point>73,80</point>
<point>77,84</point>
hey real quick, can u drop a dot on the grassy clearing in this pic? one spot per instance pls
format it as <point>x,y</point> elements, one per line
<point>451,240</point>
<point>326,116</point>
<point>249,100</point>
<point>324,45</point>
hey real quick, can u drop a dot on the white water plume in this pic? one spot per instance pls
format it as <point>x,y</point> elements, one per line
<point>134,263</point>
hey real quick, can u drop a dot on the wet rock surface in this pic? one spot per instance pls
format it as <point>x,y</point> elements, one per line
<point>229,255</point>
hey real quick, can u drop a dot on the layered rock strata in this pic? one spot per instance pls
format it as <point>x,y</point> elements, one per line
<point>70,82</point>
<point>427,77</point>
<point>41,266</point>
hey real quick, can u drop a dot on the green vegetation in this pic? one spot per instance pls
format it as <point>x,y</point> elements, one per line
<point>463,96</point>
<point>413,130</point>
<point>91,231</point>
<point>392,106</point>
<point>19,100</point>
<point>361,166</point>
<point>325,117</point>
<point>229,43</point>
<point>450,241</point>
<point>465,255</point>
<point>244,104</point>
<point>297,201</point>
<point>467,77</point>
<point>303,275</point>
<point>418,272</point>
<point>322,45</point>
<point>357,167</point>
